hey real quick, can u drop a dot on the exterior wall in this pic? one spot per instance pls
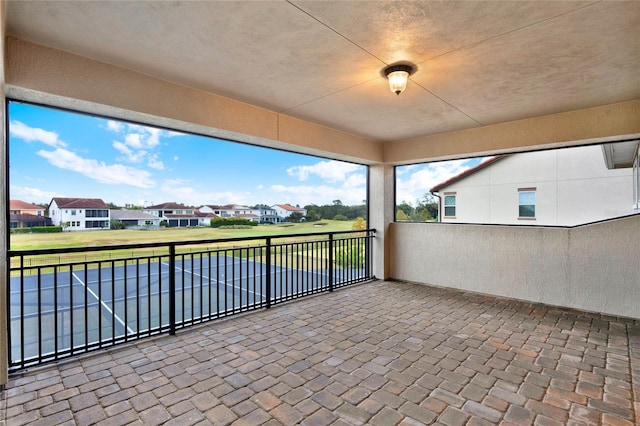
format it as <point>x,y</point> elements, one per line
<point>592,267</point>
<point>573,186</point>
<point>62,215</point>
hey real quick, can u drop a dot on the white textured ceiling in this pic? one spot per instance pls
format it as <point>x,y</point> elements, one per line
<point>478,63</point>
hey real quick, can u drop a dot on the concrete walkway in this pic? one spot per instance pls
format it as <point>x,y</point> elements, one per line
<point>382,353</point>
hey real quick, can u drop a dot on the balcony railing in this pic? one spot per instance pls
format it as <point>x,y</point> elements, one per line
<point>64,302</point>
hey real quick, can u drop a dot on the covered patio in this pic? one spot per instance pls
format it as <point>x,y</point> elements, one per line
<point>469,324</point>
<point>379,353</point>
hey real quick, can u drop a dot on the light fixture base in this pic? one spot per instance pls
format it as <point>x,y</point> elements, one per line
<point>399,67</point>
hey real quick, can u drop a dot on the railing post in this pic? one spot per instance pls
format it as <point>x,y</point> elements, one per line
<point>268,265</point>
<point>172,289</point>
<point>330,262</point>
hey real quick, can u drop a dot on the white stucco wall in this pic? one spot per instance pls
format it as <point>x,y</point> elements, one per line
<point>573,186</point>
<point>594,267</point>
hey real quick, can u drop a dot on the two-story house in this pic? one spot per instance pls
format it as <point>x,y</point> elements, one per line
<point>26,215</point>
<point>563,187</point>
<point>175,214</point>
<point>265,214</point>
<point>231,210</point>
<point>285,210</point>
<point>78,214</point>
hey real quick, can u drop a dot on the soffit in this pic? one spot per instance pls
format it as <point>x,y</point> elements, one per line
<point>478,63</point>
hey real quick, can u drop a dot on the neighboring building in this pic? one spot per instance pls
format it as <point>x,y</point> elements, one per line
<point>27,221</point>
<point>228,210</point>
<point>266,214</point>
<point>26,215</point>
<point>78,214</point>
<point>21,207</point>
<point>176,215</point>
<point>170,208</point>
<point>286,210</point>
<point>556,187</point>
<point>135,218</point>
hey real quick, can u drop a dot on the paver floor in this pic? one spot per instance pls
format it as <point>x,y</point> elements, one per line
<point>381,353</point>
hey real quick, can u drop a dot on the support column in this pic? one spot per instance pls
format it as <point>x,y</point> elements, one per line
<point>381,214</point>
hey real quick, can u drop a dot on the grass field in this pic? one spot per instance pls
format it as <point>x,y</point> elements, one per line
<point>111,237</point>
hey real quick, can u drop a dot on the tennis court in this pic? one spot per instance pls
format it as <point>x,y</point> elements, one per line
<point>83,306</point>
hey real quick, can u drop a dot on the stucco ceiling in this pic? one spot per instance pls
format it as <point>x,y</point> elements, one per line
<point>478,63</point>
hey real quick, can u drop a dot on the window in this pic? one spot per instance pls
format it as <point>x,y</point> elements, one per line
<point>450,205</point>
<point>97,213</point>
<point>73,212</point>
<point>526,203</point>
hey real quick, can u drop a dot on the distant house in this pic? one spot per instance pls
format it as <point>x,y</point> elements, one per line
<point>78,214</point>
<point>21,207</point>
<point>176,215</point>
<point>285,210</point>
<point>227,210</point>
<point>266,214</point>
<point>135,218</point>
<point>26,215</point>
<point>556,187</point>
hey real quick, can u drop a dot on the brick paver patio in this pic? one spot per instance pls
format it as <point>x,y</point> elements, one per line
<point>382,353</point>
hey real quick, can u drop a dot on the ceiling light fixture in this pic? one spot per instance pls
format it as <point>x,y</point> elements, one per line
<point>398,76</point>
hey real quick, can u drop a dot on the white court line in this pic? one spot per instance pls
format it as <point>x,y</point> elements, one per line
<point>102,303</point>
<point>217,282</point>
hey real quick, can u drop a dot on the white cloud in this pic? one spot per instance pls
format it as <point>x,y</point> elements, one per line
<point>114,126</point>
<point>155,163</point>
<point>99,171</point>
<point>133,140</point>
<point>417,180</point>
<point>178,189</point>
<point>331,171</point>
<point>129,155</point>
<point>31,195</point>
<point>321,194</point>
<point>138,141</point>
<point>32,134</point>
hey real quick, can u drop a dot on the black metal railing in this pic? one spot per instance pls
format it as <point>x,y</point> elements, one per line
<point>63,302</point>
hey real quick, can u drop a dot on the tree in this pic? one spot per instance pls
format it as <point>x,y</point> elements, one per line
<point>401,216</point>
<point>294,217</point>
<point>359,225</point>
<point>405,207</point>
<point>427,208</point>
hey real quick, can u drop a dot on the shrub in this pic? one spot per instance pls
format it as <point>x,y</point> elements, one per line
<point>350,257</point>
<point>37,230</point>
<point>116,224</point>
<point>340,217</point>
<point>231,221</point>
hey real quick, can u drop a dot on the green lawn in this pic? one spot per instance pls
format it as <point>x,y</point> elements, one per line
<point>111,237</point>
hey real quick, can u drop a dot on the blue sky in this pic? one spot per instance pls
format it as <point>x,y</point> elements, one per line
<point>413,181</point>
<point>57,153</point>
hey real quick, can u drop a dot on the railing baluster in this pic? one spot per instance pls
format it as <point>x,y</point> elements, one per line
<point>268,273</point>
<point>330,262</point>
<point>172,289</point>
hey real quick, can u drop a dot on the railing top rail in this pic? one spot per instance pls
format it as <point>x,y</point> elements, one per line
<point>36,252</point>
